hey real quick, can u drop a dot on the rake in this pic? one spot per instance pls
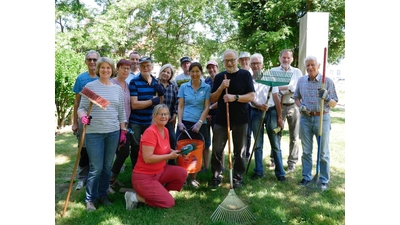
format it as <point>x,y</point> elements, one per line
<point>314,183</point>
<point>271,79</point>
<point>232,210</point>
<point>102,103</point>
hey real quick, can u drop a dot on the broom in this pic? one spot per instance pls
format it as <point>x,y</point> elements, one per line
<point>232,210</point>
<point>102,103</point>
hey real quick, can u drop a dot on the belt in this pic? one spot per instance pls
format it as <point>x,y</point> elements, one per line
<point>316,113</point>
<point>287,104</point>
<point>259,110</point>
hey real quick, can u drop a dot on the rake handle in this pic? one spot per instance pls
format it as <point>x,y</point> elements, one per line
<point>76,161</point>
<point>321,117</point>
<point>228,123</point>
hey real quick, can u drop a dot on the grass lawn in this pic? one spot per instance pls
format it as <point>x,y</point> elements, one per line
<point>270,201</point>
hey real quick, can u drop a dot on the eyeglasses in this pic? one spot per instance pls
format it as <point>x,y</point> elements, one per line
<point>125,68</point>
<point>145,67</point>
<point>162,114</point>
<point>229,60</point>
<point>89,60</point>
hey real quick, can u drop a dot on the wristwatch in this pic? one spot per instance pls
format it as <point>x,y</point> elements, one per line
<point>236,98</point>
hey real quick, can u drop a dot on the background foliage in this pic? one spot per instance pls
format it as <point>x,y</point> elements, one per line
<point>166,30</point>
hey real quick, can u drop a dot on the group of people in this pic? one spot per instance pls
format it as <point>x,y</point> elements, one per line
<point>146,115</point>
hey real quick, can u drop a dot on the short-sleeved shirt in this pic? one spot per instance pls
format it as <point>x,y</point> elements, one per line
<point>194,101</point>
<point>287,96</point>
<point>151,137</point>
<point>82,80</point>
<point>241,83</point>
<point>130,76</point>
<point>262,92</point>
<point>140,88</point>
<point>307,91</point>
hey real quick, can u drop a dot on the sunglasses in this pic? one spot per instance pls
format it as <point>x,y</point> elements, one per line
<point>89,60</point>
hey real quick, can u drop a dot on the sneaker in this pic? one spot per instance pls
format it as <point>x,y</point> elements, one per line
<point>194,183</point>
<point>282,179</point>
<point>304,182</point>
<point>214,183</point>
<point>105,201</point>
<point>128,201</point>
<point>110,190</point>
<point>324,187</point>
<point>80,185</point>
<point>257,176</point>
<point>237,184</point>
<point>291,169</point>
<point>272,165</point>
<point>90,206</point>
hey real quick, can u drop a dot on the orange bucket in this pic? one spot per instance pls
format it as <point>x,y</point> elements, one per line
<point>193,161</point>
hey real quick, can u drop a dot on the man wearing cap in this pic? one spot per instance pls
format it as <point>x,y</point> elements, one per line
<point>145,93</point>
<point>212,68</point>
<point>289,110</point>
<point>185,76</point>
<point>244,61</point>
<point>134,58</point>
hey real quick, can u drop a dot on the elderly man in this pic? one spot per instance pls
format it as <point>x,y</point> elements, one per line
<point>134,58</point>
<point>307,96</point>
<point>145,93</point>
<point>289,109</point>
<point>91,58</point>
<point>240,91</point>
<point>271,120</point>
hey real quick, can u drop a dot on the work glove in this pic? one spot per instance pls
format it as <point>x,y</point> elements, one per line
<point>159,89</point>
<point>181,126</point>
<point>304,111</point>
<point>86,119</point>
<point>155,101</point>
<point>196,127</point>
<point>323,93</point>
<point>188,148</point>
<point>122,138</point>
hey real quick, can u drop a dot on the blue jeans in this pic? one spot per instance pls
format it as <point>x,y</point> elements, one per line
<point>270,122</point>
<point>309,126</point>
<point>101,150</point>
<point>219,139</point>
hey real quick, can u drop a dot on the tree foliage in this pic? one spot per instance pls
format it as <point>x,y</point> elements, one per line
<point>68,66</point>
<point>268,27</point>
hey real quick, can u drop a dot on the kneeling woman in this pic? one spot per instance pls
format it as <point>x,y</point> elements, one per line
<point>152,178</point>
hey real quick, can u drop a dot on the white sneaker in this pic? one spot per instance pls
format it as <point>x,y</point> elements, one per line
<point>80,185</point>
<point>128,201</point>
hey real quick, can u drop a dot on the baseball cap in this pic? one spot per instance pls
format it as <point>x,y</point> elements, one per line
<point>185,59</point>
<point>244,55</point>
<point>212,62</point>
<point>145,59</point>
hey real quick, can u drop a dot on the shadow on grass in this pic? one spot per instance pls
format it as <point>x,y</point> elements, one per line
<point>271,202</point>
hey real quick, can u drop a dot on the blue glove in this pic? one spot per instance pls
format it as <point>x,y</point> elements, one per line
<point>155,101</point>
<point>159,89</point>
<point>323,93</point>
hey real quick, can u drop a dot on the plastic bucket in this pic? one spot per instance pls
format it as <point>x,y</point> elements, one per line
<point>193,161</point>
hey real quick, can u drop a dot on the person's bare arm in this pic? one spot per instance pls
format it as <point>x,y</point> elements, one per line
<point>75,124</point>
<point>149,156</point>
<point>136,104</point>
